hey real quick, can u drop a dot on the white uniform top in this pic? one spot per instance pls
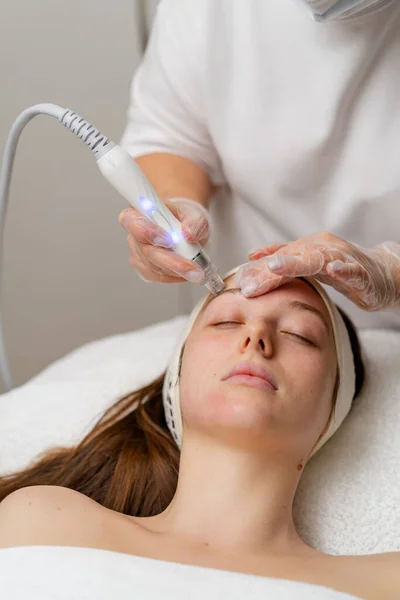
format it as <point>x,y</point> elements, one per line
<point>300,120</point>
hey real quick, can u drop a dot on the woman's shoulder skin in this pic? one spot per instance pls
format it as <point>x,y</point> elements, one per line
<point>49,515</point>
<point>372,576</point>
<point>53,515</point>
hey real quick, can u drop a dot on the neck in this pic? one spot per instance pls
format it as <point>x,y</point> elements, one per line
<point>234,499</point>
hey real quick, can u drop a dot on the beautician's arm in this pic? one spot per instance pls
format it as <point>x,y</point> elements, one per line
<point>167,128</point>
<point>174,176</point>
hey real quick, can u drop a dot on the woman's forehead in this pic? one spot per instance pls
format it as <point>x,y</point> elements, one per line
<point>298,286</point>
<point>298,291</point>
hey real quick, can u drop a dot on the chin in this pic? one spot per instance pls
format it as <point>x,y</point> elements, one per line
<point>240,408</point>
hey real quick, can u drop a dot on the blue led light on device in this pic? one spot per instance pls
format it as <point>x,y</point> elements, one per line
<point>146,203</point>
<point>148,206</point>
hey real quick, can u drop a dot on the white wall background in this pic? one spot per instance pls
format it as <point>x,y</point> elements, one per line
<point>67,279</point>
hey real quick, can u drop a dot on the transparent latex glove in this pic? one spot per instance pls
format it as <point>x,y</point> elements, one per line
<point>150,249</point>
<point>368,277</point>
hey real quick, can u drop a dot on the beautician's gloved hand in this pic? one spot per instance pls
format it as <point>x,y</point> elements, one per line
<point>150,248</point>
<point>369,277</point>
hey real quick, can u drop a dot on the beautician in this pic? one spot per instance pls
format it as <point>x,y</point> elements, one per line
<point>276,125</point>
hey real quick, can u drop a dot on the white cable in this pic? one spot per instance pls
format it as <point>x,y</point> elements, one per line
<point>91,136</point>
<point>5,179</point>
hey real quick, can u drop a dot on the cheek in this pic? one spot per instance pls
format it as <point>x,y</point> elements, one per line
<point>314,381</point>
<point>198,371</point>
<point>201,372</point>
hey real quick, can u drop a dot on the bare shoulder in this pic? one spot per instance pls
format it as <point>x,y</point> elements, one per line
<point>45,515</point>
<point>384,559</point>
<point>389,558</point>
<point>386,563</point>
<point>380,574</point>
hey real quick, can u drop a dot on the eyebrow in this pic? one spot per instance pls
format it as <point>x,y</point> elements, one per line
<point>294,304</point>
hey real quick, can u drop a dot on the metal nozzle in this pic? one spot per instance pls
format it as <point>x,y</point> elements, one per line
<point>215,284</point>
<point>212,280</point>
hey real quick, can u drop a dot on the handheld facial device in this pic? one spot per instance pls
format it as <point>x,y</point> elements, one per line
<point>127,178</point>
<point>124,174</point>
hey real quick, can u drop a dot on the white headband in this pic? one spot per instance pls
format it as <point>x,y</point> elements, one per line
<point>345,359</point>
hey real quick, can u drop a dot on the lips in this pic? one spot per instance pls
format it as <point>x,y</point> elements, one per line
<point>251,374</point>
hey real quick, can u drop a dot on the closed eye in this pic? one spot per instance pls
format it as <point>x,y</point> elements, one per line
<point>300,337</point>
<point>296,335</point>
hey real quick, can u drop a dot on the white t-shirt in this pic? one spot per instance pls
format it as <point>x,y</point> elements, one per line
<point>299,121</point>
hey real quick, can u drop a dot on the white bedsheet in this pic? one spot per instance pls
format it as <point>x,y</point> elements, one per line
<point>56,573</point>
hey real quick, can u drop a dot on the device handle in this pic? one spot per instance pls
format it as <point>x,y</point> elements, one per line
<point>121,170</point>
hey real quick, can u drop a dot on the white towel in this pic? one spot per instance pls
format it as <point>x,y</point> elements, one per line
<point>57,573</point>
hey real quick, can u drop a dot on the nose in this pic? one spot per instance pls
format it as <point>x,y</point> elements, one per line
<point>257,339</point>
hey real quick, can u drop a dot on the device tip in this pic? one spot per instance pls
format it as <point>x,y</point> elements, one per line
<point>215,284</point>
<point>212,280</point>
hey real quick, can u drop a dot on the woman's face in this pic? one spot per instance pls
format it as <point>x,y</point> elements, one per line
<point>287,335</point>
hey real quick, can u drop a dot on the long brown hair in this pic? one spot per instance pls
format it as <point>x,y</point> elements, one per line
<point>129,461</point>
